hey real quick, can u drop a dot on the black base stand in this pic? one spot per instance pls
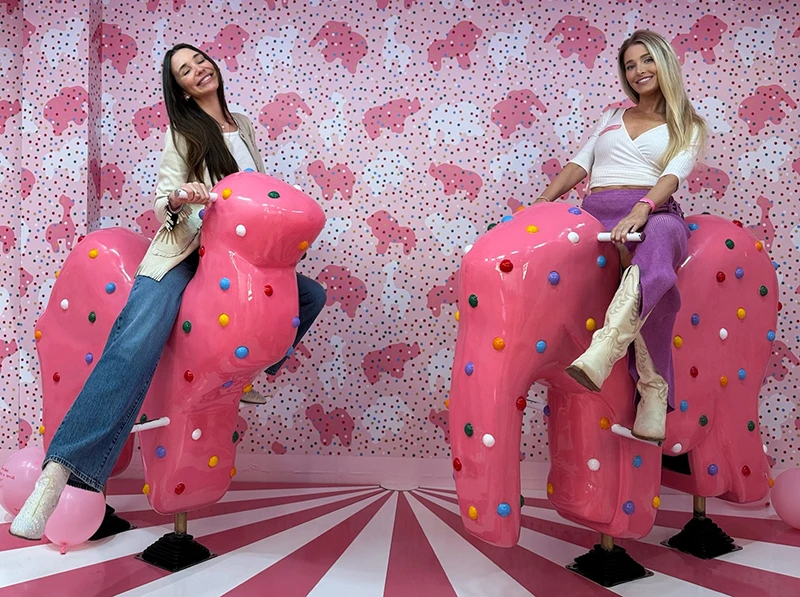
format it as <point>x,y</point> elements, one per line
<point>111,525</point>
<point>702,538</point>
<point>176,551</point>
<point>608,567</point>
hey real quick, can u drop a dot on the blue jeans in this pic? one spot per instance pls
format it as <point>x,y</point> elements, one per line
<point>96,427</point>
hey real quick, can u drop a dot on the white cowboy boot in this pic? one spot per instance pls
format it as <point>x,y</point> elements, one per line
<point>651,414</point>
<point>252,397</point>
<point>32,518</point>
<point>610,343</point>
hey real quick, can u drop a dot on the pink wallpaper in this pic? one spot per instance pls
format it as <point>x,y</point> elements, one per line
<point>415,124</point>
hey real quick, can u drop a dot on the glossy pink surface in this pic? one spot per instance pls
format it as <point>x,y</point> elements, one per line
<point>189,464</point>
<point>530,321</point>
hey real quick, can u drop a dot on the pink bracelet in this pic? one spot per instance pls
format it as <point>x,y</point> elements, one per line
<point>649,202</point>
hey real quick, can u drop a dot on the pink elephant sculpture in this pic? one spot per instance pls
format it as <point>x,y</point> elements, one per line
<point>239,315</point>
<point>531,292</point>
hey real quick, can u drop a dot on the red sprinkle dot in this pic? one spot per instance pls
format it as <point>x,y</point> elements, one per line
<point>188,375</point>
<point>81,237</point>
<point>738,223</point>
<point>746,470</point>
<point>457,464</point>
<point>693,371</point>
<point>202,251</point>
<point>56,377</point>
<point>521,403</point>
<point>179,488</point>
<point>268,290</point>
<point>720,277</point>
<point>780,306</point>
<point>506,266</point>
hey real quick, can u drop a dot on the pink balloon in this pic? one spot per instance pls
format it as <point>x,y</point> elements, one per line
<point>77,517</point>
<point>18,476</point>
<point>784,497</point>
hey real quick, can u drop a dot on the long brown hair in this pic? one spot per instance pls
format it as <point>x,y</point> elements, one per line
<point>685,125</point>
<point>205,146</point>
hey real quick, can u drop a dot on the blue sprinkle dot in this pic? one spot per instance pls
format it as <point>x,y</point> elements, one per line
<point>628,508</point>
<point>637,461</point>
<point>249,170</point>
<point>541,346</point>
<point>775,265</point>
<point>739,273</point>
<point>295,321</point>
<point>695,319</point>
<point>290,351</point>
<point>546,410</point>
<point>88,358</point>
<point>684,406</point>
<point>693,226</point>
<point>470,368</point>
<point>553,278</point>
<point>742,373</point>
<point>713,469</point>
<point>161,451</point>
<point>504,509</point>
<point>227,384</point>
<point>770,335</point>
<point>224,283</point>
<point>111,287</point>
<point>506,218</point>
<point>201,214</point>
<point>241,352</point>
<point>575,211</point>
<point>601,261</point>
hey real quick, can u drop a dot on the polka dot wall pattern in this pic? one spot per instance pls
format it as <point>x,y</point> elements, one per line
<point>416,125</point>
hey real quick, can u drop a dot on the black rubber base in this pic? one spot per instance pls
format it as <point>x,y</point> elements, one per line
<point>111,525</point>
<point>608,568</point>
<point>702,538</point>
<point>175,552</point>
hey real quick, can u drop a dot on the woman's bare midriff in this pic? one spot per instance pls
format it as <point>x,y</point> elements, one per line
<point>615,188</point>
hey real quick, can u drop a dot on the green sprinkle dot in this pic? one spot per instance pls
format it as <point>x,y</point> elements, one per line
<point>93,317</point>
<point>703,421</point>
<point>235,436</point>
<point>763,291</point>
<point>473,300</point>
<point>751,426</point>
<point>729,243</point>
<point>521,501</point>
<point>143,419</point>
<point>468,429</point>
<point>274,194</point>
<point>491,226</point>
<point>187,326</point>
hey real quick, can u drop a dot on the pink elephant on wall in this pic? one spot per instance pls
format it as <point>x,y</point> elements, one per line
<point>531,292</point>
<point>238,316</point>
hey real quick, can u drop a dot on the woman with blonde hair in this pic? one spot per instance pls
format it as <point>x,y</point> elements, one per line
<point>637,158</point>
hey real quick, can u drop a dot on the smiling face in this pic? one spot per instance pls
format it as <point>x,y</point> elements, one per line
<point>640,70</point>
<point>194,73</point>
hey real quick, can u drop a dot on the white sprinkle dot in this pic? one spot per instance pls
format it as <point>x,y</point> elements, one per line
<point>65,304</point>
<point>298,187</point>
<point>765,449</point>
<point>488,440</point>
<point>593,464</point>
<point>723,333</point>
<point>574,237</point>
<point>676,449</point>
<point>241,230</point>
<point>196,434</point>
<point>467,249</point>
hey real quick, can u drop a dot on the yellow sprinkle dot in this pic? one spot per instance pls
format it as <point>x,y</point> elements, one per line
<point>677,341</point>
<point>591,324</point>
<point>759,245</point>
<point>146,489</point>
<point>498,343</point>
<point>458,315</point>
<point>723,381</point>
<point>37,334</point>
<point>226,193</point>
<point>447,403</point>
<point>248,388</point>
<point>605,423</point>
<point>473,513</point>
<point>224,320</point>
<point>520,208</point>
<point>532,229</point>
<point>213,461</point>
<point>41,429</point>
<point>93,254</point>
<point>771,481</point>
<point>741,313</point>
<point>58,272</point>
<point>550,489</point>
<point>303,245</point>
<point>656,502</point>
<point>233,472</point>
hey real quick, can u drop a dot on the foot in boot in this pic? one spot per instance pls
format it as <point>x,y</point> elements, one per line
<point>576,372</point>
<point>253,397</point>
<point>32,518</point>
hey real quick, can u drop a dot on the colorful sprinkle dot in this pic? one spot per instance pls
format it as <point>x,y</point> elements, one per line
<point>41,429</point>
<point>605,423</point>
<point>224,319</point>
<point>771,482</point>
<point>469,368</point>
<point>720,277</point>
<point>213,461</point>
<point>180,488</point>
<point>628,508</point>
<point>197,434</point>
<point>93,254</point>
<point>677,341</point>
<point>729,243</point>
<point>505,219</point>
<point>541,346</point>
<point>457,464</point>
<point>295,322</point>
<point>546,410</point>
<point>241,352</point>
<point>521,501</point>
<point>472,512</point>
<point>88,358</point>
<point>490,226</point>
<point>656,502</point>
<point>602,261</point>
<point>488,440</point>
<point>723,381</point>
<point>498,343</point>
<point>759,245</point>
<point>110,288</point>
<point>504,509</point>
<point>188,375</point>
<point>741,313</point>
<point>763,291</point>
<point>703,421</point>
<point>268,290</point>
<point>187,326</point>
<point>273,195</point>
<point>723,333</point>
<point>553,278</point>
<point>695,319</point>
<point>235,437</point>
<point>521,403</point>
<point>37,334</point>
<point>225,283</point>
<point>742,374</point>
<point>532,229</point>
<point>574,211</point>
<point>637,461</point>
<point>739,273</point>
<point>161,451</point>
<point>56,377</point>
<point>713,469</point>
<point>693,226</point>
<point>593,464</point>
<point>746,470</point>
<point>473,300</point>
<point>684,406</point>
<point>506,266</point>
<point>146,489</point>
<point>228,383</point>
<point>770,335</point>
<point>751,426</point>
<point>458,315</point>
<point>693,372</point>
<point>591,324</point>
<point>232,474</point>
<point>227,193</point>
<point>468,430</point>
<point>550,489</point>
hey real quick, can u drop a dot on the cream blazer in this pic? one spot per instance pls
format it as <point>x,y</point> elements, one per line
<point>179,233</point>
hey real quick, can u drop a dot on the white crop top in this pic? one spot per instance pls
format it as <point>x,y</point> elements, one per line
<point>240,152</point>
<point>614,159</point>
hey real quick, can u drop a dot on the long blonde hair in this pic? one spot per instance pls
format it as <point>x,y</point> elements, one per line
<point>683,122</point>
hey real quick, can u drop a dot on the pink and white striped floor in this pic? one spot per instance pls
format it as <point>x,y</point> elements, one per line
<point>331,541</point>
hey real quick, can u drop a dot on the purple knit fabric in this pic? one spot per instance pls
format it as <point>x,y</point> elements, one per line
<point>664,248</point>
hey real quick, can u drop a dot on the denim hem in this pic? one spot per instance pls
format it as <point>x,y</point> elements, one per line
<point>76,479</point>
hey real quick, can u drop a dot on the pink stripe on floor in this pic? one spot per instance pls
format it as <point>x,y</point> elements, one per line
<point>412,558</point>
<point>298,573</point>
<point>133,486</point>
<point>754,529</point>
<point>538,575</point>
<point>113,577</point>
